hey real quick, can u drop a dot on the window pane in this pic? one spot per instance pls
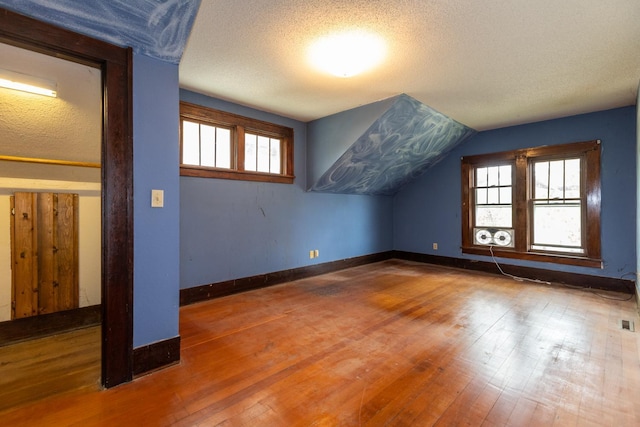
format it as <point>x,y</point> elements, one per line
<point>541,173</point>
<point>494,216</point>
<point>250,151</point>
<point>481,177</point>
<point>492,178</point>
<point>481,196</point>
<point>223,148</point>
<point>556,179</point>
<point>207,145</point>
<point>190,143</point>
<point>572,178</point>
<point>505,195</point>
<point>505,175</point>
<point>492,196</point>
<point>558,225</point>
<point>275,156</point>
<point>263,154</point>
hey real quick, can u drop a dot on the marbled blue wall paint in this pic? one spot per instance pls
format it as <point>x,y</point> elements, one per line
<point>406,140</point>
<point>154,28</point>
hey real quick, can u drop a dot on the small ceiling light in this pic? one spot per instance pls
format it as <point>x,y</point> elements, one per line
<point>348,54</point>
<point>27,83</point>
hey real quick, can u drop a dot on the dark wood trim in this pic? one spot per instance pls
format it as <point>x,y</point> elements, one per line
<point>534,256</point>
<point>155,356</point>
<point>238,125</point>
<point>117,174</point>
<point>204,172</point>
<point>230,287</point>
<point>27,328</point>
<point>562,277</point>
<point>522,213</point>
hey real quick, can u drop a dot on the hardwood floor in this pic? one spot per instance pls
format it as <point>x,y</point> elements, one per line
<point>31,370</point>
<point>394,343</point>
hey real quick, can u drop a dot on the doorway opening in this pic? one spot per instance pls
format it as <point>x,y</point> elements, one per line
<point>116,181</point>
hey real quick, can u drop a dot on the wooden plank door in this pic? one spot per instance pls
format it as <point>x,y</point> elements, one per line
<point>44,236</point>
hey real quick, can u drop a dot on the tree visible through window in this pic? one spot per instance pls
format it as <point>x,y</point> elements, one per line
<point>538,204</point>
<point>557,206</point>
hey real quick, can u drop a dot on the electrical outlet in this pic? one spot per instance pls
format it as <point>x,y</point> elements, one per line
<point>312,254</point>
<point>316,253</point>
<point>435,246</point>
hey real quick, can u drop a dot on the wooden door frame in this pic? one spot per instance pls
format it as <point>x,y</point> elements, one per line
<point>117,174</point>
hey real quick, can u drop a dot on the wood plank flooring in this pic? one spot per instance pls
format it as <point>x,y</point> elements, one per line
<point>388,344</point>
<point>34,369</point>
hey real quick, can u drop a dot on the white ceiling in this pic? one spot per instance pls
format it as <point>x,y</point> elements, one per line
<point>487,64</point>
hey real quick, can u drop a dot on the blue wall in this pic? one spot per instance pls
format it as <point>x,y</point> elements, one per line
<point>428,210</point>
<point>638,195</point>
<point>233,229</point>
<point>155,166</point>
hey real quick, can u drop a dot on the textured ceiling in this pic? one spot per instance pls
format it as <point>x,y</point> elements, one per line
<point>68,127</point>
<point>486,64</point>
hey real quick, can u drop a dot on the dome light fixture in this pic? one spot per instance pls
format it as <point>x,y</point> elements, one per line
<point>348,53</point>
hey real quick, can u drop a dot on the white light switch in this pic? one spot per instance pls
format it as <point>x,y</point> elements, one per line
<point>157,198</point>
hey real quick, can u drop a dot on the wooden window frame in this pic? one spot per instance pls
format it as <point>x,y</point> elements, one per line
<point>238,125</point>
<point>588,151</point>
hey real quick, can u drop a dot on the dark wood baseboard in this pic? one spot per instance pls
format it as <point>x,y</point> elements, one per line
<point>230,287</point>
<point>562,277</point>
<point>155,356</point>
<point>17,330</point>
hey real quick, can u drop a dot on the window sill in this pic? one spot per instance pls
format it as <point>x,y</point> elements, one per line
<point>534,256</point>
<point>236,175</point>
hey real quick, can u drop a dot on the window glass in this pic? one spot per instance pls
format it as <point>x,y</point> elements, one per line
<point>493,196</point>
<point>207,145</point>
<point>275,156</point>
<point>557,210</point>
<point>250,151</point>
<point>223,148</point>
<point>217,144</point>
<point>537,197</point>
<point>190,143</point>
<point>263,154</point>
<point>557,227</point>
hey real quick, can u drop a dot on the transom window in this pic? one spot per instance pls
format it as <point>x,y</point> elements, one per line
<point>216,144</point>
<point>205,145</point>
<point>538,204</point>
<point>261,153</point>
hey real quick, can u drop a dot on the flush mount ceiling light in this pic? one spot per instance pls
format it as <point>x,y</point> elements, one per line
<point>27,83</point>
<point>347,54</point>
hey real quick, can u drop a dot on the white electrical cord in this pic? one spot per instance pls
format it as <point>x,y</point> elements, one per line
<point>518,278</point>
<point>522,279</point>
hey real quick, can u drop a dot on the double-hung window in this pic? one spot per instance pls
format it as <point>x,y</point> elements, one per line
<point>217,144</point>
<point>537,204</point>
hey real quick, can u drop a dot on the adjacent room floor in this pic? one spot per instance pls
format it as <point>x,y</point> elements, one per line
<point>394,343</point>
<point>42,367</point>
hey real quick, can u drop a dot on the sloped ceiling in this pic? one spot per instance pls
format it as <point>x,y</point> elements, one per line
<point>400,144</point>
<point>158,29</point>
<point>487,65</point>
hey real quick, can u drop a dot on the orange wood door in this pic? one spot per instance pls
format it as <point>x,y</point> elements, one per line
<point>44,237</point>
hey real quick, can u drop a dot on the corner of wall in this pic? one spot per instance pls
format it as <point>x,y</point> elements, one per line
<point>638,196</point>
